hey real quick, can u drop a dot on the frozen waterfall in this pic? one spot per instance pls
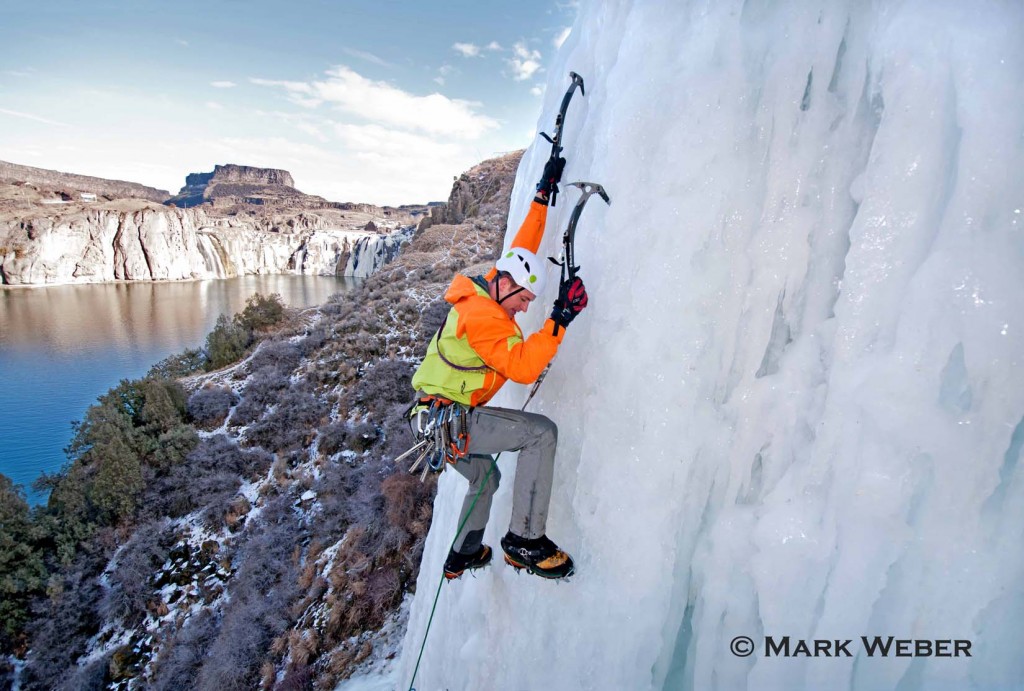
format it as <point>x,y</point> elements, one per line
<point>795,405</point>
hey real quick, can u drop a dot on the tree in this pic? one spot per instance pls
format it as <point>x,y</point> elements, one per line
<point>226,343</point>
<point>22,570</point>
<point>135,431</point>
<point>261,311</point>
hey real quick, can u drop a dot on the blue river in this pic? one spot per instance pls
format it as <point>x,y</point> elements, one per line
<point>62,346</point>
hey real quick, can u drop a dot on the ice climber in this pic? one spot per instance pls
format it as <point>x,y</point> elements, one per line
<point>477,349</point>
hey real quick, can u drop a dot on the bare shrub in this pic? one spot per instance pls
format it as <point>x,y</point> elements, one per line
<point>209,477</point>
<point>403,495</point>
<point>314,340</point>
<point>261,390</point>
<point>383,384</point>
<point>433,316</point>
<point>209,406</point>
<point>384,590</point>
<point>282,356</point>
<point>178,663</point>
<point>333,437</point>
<point>94,676</point>
<point>362,436</point>
<point>397,431</point>
<point>130,590</point>
<point>63,624</point>
<point>236,512</point>
<point>260,596</point>
<point>297,678</point>
<point>291,424</point>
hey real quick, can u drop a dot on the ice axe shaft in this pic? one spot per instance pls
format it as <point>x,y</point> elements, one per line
<point>569,238</point>
<point>556,140</point>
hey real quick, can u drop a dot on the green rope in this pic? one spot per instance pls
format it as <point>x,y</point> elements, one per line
<point>437,595</point>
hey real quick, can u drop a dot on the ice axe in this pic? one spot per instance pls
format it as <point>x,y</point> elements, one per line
<point>568,261</point>
<point>556,141</point>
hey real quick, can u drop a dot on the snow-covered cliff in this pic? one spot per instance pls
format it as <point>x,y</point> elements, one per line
<point>143,241</point>
<point>795,405</point>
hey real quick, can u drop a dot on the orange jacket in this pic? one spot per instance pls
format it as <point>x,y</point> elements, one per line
<point>481,347</point>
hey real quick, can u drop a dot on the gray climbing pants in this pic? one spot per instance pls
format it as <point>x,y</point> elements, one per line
<point>491,431</point>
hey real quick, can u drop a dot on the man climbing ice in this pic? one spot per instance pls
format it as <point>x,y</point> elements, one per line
<point>477,349</point>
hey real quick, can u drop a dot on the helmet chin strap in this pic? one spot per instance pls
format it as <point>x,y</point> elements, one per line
<point>497,289</point>
<point>514,292</point>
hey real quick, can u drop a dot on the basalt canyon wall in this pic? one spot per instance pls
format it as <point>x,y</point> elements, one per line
<point>57,228</point>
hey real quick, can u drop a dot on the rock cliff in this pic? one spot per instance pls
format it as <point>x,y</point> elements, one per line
<point>71,185</point>
<point>233,221</point>
<point>481,192</point>
<point>132,241</point>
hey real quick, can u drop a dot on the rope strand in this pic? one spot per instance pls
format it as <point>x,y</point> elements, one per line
<point>437,595</point>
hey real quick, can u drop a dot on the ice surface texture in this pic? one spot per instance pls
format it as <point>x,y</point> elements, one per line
<point>795,403</point>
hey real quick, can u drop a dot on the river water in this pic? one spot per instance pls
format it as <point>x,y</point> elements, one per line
<point>62,346</point>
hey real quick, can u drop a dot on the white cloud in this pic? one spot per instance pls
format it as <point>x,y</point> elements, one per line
<point>368,57</point>
<point>30,116</point>
<point>392,144</point>
<point>442,74</point>
<point>313,131</point>
<point>223,85</point>
<point>494,45</point>
<point>300,92</point>
<point>537,90</point>
<point>385,104</point>
<point>525,62</point>
<point>181,42</point>
<point>303,122</point>
<point>213,105</point>
<point>468,50</point>
<point>562,35</point>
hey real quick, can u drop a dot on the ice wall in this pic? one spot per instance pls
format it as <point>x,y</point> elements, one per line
<point>796,403</point>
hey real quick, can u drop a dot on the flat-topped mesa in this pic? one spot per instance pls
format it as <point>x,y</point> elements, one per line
<point>250,175</point>
<point>234,183</point>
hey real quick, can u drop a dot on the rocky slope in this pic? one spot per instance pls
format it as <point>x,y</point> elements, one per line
<point>279,552</point>
<point>240,220</point>
<point>71,186</point>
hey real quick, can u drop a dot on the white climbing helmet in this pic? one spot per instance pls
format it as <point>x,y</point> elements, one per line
<point>525,268</point>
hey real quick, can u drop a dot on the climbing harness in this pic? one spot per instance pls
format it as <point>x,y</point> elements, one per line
<point>441,428</point>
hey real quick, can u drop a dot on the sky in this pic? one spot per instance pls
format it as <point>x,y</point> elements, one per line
<point>379,102</point>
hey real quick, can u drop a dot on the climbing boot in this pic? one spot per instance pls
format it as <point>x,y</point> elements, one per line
<point>539,556</point>
<point>457,563</point>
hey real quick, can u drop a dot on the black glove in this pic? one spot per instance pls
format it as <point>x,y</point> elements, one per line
<point>572,298</point>
<point>551,175</point>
